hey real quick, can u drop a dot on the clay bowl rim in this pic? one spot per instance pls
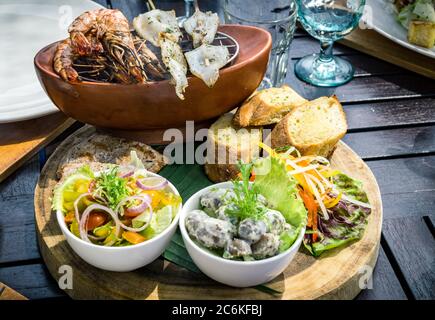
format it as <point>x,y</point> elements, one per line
<point>49,71</point>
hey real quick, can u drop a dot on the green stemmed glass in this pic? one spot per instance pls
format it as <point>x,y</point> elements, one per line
<point>327,21</point>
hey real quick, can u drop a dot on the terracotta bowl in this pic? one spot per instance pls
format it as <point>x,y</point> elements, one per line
<point>154,105</point>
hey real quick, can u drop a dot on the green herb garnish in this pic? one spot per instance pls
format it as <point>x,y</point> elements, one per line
<point>111,187</point>
<point>246,204</point>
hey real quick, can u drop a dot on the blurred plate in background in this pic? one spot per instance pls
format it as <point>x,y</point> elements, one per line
<point>26,27</point>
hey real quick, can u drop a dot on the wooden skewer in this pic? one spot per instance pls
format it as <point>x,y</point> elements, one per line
<point>151,3</point>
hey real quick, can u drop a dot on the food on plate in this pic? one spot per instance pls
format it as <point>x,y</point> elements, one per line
<point>121,206</point>
<point>101,151</point>
<point>313,128</point>
<point>174,60</point>
<point>202,27</point>
<point>157,24</point>
<point>226,145</point>
<point>267,106</point>
<point>337,206</point>
<point>240,223</point>
<point>205,62</point>
<point>418,16</point>
<point>422,33</point>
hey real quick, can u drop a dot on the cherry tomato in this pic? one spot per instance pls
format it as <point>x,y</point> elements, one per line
<point>95,220</point>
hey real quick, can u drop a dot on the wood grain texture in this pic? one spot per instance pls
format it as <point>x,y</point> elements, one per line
<point>395,142</point>
<point>7,293</point>
<point>393,87</point>
<point>387,114</point>
<point>161,280</point>
<point>385,285</point>
<point>407,185</point>
<point>372,43</point>
<point>19,141</point>
<point>417,264</point>
<point>31,280</point>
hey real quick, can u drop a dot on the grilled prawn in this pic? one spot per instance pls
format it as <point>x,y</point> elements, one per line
<point>63,61</point>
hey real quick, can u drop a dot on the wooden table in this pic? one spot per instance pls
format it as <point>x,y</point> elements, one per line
<point>391,116</point>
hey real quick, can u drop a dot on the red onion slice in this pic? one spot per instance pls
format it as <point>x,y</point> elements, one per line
<point>160,185</point>
<point>126,171</point>
<point>145,203</point>
<point>141,228</point>
<point>76,205</point>
<point>85,216</point>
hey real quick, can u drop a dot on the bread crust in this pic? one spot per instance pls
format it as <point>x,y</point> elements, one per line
<point>228,152</point>
<point>258,110</point>
<point>281,135</point>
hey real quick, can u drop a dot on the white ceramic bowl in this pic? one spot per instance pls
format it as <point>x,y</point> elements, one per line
<point>122,259</point>
<point>230,272</point>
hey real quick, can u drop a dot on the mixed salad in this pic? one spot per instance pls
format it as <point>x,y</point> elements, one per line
<point>118,207</point>
<point>277,196</point>
<point>337,206</point>
<point>418,17</point>
<point>252,220</point>
<point>414,10</point>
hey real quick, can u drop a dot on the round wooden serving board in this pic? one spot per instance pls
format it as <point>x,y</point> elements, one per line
<point>337,274</point>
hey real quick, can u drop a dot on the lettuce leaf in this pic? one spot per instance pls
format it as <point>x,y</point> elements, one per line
<point>351,187</point>
<point>347,221</point>
<point>280,190</point>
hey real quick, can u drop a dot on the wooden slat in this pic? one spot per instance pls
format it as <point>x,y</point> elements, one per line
<point>7,293</point>
<point>390,114</point>
<point>407,185</point>
<point>21,140</point>
<point>386,285</point>
<point>32,281</point>
<point>303,46</point>
<point>369,89</point>
<point>394,142</point>
<point>413,247</point>
<point>17,229</point>
<point>371,42</point>
<point>22,182</point>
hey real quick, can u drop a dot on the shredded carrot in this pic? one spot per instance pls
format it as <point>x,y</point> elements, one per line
<point>310,204</point>
<point>315,236</point>
<point>252,177</point>
<point>69,217</point>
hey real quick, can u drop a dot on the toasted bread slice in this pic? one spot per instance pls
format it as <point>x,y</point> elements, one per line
<point>267,106</point>
<point>422,33</point>
<point>226,145</point>
<point>314,128</point>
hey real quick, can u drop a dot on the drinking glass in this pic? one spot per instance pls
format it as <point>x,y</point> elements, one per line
<point>279,18</point>
<point>327,21</point>
<point>189,9</point>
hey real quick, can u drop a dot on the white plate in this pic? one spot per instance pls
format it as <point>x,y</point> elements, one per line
<point>383,20</point>
<point>25,28</point>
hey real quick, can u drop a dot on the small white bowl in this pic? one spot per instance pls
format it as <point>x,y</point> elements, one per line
<point>122,259</point>
<point>230,272</point>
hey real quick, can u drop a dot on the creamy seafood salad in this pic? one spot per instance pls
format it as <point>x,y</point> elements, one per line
<point>240,223</point>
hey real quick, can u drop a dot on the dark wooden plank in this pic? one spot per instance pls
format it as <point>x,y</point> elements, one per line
<point>302,46</point>
<point>386,285</point>
<point>413,247</point>
<point>390,114</point>
<point>17,230</point>
<point>32,280</point>
<point>369,89</point>
<point>393,142</point>
<point>407,185</point>
<point>21,182</point>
